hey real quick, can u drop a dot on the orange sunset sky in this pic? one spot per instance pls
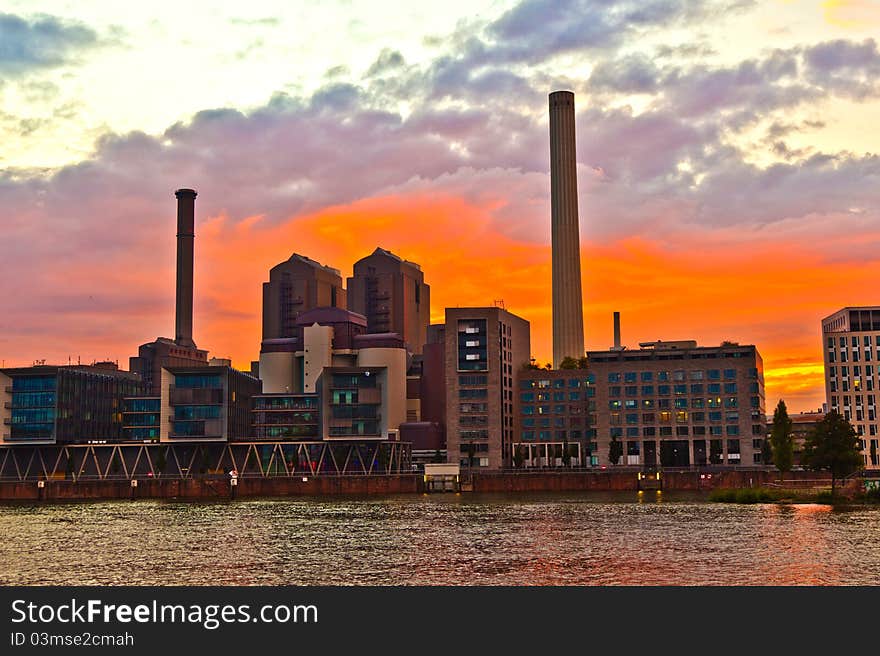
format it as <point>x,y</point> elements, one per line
<point>728,165</point>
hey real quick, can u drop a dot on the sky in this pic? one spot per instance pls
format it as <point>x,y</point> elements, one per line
<point>728,167</point>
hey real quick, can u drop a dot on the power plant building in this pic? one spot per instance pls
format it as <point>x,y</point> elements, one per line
<point>181,351</point>
<point>391,293</point>
<point>298,285</point>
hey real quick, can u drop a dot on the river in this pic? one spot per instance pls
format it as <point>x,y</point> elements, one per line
<point>550,539</point>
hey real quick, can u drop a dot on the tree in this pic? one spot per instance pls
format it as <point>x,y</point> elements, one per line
<point>568,362</point>
<point>471,450</point>
<point>781,441</point>
<point>715,452</point>
<point>833,445</point>
<point>518,457</point>
<point>438,457</point>
<point>766,452</point>
<point>566,454</point>
<point>615,450</point>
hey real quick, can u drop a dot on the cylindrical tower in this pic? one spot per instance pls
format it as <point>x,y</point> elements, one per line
<point>186,219</point>
<point>568,321</point>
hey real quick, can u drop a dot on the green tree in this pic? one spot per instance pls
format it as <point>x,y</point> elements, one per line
<point>471,450</point>
<point>161,460</point>
<point>518,457</point>
<point>766,452</point>
<point>715,452</point>
<point>615,450</point>
<point>568,362</point>
<point>582,362</point>
<point>781,441</point>
<point>833,445</point>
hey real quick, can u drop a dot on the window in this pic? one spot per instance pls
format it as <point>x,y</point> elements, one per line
<point>647,376</point>
<point>663,390</point>
<point>697,388</point>
<point>696,375</point>
<point>647,390</point>
<point>729,374</point>
<point>629,377</point>
<point>614,377</point>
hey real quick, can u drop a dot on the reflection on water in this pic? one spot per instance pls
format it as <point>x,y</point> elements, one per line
<point>563,539</point>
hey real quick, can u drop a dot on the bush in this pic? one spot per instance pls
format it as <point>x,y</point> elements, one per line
<point>744,495</point>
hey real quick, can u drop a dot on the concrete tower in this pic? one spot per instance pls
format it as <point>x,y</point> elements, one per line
<point>186,219</point>
<point>568,321</point>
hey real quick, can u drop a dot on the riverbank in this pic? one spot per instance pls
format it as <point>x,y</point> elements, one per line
<point>323,485</point>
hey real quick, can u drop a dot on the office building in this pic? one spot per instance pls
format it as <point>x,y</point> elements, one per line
<point>676,404</point>
<point>194,404</point>
<point>391,293</point>
<point>851,353</point>
<point>64,404</point>
<point>484,349</point>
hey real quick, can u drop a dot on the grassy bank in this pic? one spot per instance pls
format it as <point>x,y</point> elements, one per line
<point>767,495</point>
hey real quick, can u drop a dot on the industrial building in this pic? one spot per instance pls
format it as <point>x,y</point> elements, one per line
<point>181,351</point>
<point>391,293</point>
<point>298,285</point>
<point>568,319</point>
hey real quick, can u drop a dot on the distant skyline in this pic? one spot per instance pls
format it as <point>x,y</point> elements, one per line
<point>728,156</point>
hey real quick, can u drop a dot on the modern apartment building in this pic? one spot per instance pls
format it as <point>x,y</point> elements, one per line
<point>485,348</point>
<point>677,404</point>
<point>391,293</point>
<point>64,404</point>
<point>851,352</point>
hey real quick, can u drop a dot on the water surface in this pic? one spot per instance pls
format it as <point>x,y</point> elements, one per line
<point>551,539</point>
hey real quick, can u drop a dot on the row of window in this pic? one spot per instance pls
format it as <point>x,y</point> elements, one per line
<point>854,340</point>
<point>531,397</point>
<point>678,390</point>
<point>667,431</point>
<point>558,383</point>
<point>663,376</point>
<point>665,417</point>
<point>711,402</point>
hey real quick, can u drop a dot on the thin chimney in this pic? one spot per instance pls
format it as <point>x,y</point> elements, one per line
<point>186,219</point>
<point>568,318</point>
<point>617,331</point>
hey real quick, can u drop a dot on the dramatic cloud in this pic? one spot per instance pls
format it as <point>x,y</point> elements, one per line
<point>40,42</point>
<point>446,162</point>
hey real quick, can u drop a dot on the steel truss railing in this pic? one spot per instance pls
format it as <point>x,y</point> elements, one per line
<point>188,460</point>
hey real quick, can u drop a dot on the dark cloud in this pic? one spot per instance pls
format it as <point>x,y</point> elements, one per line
<point>39,42</point>
<point>388,60</point>
<point>844,67</point>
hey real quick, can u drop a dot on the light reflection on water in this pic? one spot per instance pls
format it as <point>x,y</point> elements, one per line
<point>561,539</point>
